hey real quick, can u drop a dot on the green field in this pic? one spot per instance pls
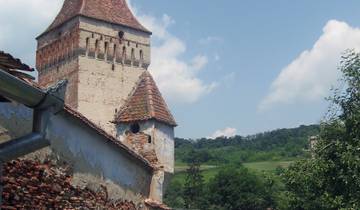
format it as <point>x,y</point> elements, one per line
<point>210,171</point>
<point>267,165</point>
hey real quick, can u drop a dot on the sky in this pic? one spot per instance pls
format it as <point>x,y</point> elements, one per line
<point>234,67</point>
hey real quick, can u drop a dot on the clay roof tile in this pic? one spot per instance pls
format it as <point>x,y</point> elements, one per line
<point>113,11</point>
<point>145,103</point>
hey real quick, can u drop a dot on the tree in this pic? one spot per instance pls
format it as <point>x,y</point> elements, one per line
<point>194,183</point>
<point>236,188</point>
<point>174,195</point>
<point>331,180</point>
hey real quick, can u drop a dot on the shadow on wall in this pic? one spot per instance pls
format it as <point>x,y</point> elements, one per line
<point>15,121</point>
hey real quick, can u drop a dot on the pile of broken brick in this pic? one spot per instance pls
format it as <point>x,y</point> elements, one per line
<point>31,185</point>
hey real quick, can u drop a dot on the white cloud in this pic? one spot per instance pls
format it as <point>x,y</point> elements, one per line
<point>176,77</point>
<point>199,62</point>
<point>21,21</point>
<point>227,132</point>
<point>210,39</point>
<point>310,76</point>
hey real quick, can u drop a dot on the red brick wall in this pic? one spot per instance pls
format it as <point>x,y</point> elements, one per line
<point>57,61</point>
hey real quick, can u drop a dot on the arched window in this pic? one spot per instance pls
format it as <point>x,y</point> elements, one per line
<point>132,55</point>
<point>87,45</point>
<point>106,50</point>
<point>96,48</point>
<point>141,56</point>
<point>124,53</point>
<point>115,53</point>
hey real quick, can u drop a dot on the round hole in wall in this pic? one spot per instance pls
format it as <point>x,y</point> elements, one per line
<point>135,128</point>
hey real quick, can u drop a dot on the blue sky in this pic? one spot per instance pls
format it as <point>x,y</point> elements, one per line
<point>226,67</point>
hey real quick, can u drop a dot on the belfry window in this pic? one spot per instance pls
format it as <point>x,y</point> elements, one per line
<point>124,53</point>
<point>87,45</point>
<point>106,50</point>
<point>141,56</point>
<point>115,54</point>
<point>96,48</point>
<point>132,54</point>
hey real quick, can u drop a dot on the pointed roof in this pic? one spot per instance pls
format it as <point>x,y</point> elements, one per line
<point>113,11</point>
<point>145,103</point>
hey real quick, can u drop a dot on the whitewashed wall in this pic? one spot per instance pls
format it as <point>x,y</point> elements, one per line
<point>94,159</point>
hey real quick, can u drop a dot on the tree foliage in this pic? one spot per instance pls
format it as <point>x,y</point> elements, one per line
<point>236,188</point>
<point>273,145</point>
<point>331,180</point>
<point>194,185</point>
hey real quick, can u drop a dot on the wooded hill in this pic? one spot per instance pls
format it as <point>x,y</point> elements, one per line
<point>273,145</point>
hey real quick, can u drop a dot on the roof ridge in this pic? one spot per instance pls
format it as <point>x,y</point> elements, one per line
<point>82,6</point>
<point>149,95</point>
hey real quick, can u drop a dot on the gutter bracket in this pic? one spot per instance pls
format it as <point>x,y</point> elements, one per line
<point>57,100</point>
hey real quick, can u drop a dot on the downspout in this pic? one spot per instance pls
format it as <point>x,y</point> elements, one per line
<point>44,103</point>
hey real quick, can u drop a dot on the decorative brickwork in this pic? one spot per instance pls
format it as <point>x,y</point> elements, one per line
<point>59,51</point>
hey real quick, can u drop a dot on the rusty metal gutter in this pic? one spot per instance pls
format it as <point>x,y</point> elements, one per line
<point>24,93</point>
<point>22,146</point>
<point>44,103</point>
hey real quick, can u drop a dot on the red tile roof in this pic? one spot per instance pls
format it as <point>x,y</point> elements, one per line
<point>29,184</point>
<point>145,103</point>
<point>11,65</point>
<point>113,11</point>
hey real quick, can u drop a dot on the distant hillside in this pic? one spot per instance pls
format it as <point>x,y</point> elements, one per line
<point>274,145</point>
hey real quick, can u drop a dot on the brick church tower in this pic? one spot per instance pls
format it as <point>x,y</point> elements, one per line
<point>101,49</point>
<point>104,53</point>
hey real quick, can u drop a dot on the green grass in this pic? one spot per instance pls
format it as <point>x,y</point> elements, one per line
<point>267,165</point>
<point>209,171</point>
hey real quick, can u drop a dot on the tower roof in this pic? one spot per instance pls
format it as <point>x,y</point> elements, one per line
<point>113,11</point>
<point>145,103</point>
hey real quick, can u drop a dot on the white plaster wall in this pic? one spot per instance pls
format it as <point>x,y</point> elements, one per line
<point>102,90</point>
<point>94,159</point>
<point>165,146</point>
<point>16,119</point>
<point>92,153</point>
<point>113,29</point>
